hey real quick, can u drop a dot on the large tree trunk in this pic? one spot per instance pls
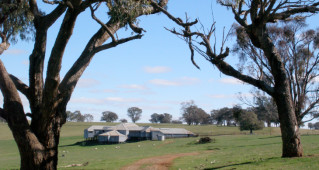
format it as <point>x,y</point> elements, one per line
<point>291,144</point>
<point>38,152</point>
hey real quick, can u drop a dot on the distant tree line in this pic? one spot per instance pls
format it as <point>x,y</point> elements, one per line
<point>313,125</point>
<point>134,113</point>
<point>161,118</point>
<point>77,116</point>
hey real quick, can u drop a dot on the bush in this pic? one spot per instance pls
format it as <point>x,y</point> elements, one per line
<point>204,140</point>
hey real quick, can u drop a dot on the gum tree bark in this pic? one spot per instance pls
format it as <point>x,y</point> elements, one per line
<point>38,141</point>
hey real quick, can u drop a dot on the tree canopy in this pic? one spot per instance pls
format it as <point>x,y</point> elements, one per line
<point>15,22</point>
<point>109,116</point>
<point>134,113</point>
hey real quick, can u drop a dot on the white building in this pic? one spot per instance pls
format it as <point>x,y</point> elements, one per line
<point>130,131</point>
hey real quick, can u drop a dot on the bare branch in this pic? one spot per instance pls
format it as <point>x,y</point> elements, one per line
<point>101,23</point>
<point>176,20</point>
<point>136,29</point>
<point>114,44</point>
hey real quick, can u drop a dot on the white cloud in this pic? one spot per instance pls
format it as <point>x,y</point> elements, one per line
<point>86,83</point>
<point>123,100</point>
<point>103,91</point>
<point>15,52</point>
<point>163,82</point>
<point>189,80</point>
<point>220,96</point>
<point>134,87</point>
<point>179,82</point>
<point>230,81</point>
<point>157,69</point>
<point>84,100</point>
<point>95,101</point>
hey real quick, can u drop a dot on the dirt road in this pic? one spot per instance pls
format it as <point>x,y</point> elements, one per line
<point>156,163</point>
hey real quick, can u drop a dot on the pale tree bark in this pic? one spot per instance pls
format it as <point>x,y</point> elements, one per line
<point>260,13</point>
<point>38,141</point>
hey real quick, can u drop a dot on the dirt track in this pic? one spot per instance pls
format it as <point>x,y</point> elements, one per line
<point>156,163</point>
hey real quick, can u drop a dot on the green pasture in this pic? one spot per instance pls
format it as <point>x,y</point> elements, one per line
<point>233,149</point>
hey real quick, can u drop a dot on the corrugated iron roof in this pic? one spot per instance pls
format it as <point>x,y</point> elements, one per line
<point>126,126</point>
<point>95,127</point>
<point>112,133</point>
<point>178,131</point>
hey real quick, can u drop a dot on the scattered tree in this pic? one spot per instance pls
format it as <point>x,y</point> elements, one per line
<point>249,121</point>
<point>253,17</point>
<point>134,113</point>
<point>310,125</point>
<point>299,49</point>
<point>109,116</point>
<point>49,93</point>
<point>316,125</point>
<point>77,116</point>
<point>154,118</point>
<point>177,122</point>
<point>223,116</point>
<point>165,118</point>
<point>123,120</point>
<point>192,114</point>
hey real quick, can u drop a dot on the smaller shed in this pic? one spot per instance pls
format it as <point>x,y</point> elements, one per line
<point>112,137</point>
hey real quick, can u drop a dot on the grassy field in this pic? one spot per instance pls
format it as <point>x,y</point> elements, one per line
<point>232,149</point>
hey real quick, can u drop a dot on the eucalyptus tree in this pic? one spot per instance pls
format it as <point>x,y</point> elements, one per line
<point>253,16</point>
<point>134,113</point>
<point>109,116</point>
<point>49,93</point>
<point>299,48</point>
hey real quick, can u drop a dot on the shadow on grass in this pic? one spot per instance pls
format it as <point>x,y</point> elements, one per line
<point>239,164</point>
<point>241,146</point>
<point>269,137</point>
<point>96,143</point>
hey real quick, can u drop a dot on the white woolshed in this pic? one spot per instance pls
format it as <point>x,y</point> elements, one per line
<point>112,137</point>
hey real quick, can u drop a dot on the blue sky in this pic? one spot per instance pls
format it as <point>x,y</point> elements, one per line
<point>154,73</point>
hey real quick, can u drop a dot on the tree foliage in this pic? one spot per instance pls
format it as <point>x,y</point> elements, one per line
<point>109,116</point>
<point>77,116</point>
<point>134,113</point>
<point>15,22</point>
<point>161,118</point>
<point>316,125</point>
<point>310,125</point>
<point>249,121</point>
<point>123,120</point>
<point>154,118</point>
<point>192,114</point>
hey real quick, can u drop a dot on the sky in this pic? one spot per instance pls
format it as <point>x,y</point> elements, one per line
<point>154,73</point>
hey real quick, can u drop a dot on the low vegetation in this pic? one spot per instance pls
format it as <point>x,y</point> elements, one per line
<point>232,148</point>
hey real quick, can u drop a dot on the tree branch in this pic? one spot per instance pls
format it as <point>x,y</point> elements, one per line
<point>12,103</point>
<point>292,11</point>
<point>102,24</point>
<point>114,44</point>
<point>23,88</point>
<point>54,15</point>
<point>55,61</point>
